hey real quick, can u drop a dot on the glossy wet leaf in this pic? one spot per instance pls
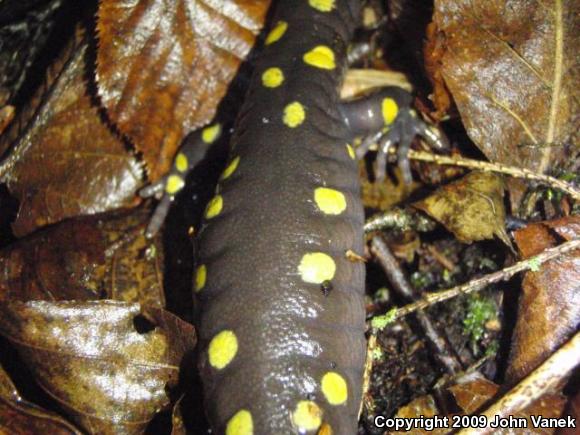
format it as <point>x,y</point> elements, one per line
<point>510,68</point>
<point>549,306</point>
<point>86,258</point>
<point>20,417</point>
<point>111,364</point>
<point>472,207</point>
<point>164,65</point>
<point>64,160</point>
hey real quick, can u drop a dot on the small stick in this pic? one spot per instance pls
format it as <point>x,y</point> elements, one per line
<point>496,167</point>
<point>542,380</point>
<point>531,263</point>
<point>443,351</point>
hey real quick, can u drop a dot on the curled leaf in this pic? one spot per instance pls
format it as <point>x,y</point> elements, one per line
<point>472,207</point>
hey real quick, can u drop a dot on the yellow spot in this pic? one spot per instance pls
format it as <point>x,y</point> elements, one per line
<point>214,207</point>
<point>334,388</point>
<point>174,184</point>
<point>181,162</point>
<point>211,133</point>
<point>200,277</point>
<point>277,32</point>
<point>322,5</point>
<point>329,201</point>
<point>325,429</point>
<point>390,110</point>
<point>307,415</point>
<point>350,151</point>
<point>272,77</point>
<point>231,168</point>
<point>294,114</point>
<point>222,349</point>
<point>317,267</point>
<point>240,424</point>
<point>320,57</point>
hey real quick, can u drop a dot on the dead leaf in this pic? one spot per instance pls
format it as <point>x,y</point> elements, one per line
<point>421,406</point>
<point>549,308</point>
<point>472,395</point>
<point>359,81</point>
<point>64,160</point>
<point>163,66</point>
<point>471,207</point>
<point>20,417</point>
<point>86,258</point>
<point>573,410</point>
<point>110,364</point>
<point>510,68</point>
<point>434,50</point>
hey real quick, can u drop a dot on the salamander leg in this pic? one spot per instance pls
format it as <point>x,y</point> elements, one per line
<point>386,118</point>
<point>192,151</point>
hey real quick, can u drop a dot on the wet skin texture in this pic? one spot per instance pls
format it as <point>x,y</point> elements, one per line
<point>288,333</point>
<point>282,344</point>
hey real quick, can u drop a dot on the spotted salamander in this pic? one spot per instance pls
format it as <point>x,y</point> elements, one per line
<point>282,344</point>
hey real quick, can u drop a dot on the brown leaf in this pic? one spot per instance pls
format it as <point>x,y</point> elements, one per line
<point>549,308</point>
<point>64,160</point>
<point>510,68</point>
<point>472,207</point>
<point>421,406</point>
<point>434,50</point>
<point>471,396</point>
<point>163,66</point>
<point>110,364</point>
<point>572,410</point>
<point>19,417</point>
<point>86,258</point>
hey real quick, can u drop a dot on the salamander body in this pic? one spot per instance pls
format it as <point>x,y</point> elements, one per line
<point>277,354</point>
<point>282,344</point>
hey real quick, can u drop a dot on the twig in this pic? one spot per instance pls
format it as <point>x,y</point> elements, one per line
<point>439,344</point>
<point>532,263</point>
<point>497,167</point>
<point>541,381</point>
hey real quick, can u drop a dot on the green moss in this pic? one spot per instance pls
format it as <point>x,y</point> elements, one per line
<point>479,311</point>
<point>377,354</point>
<point>492,349</point>
<point>380,322</point>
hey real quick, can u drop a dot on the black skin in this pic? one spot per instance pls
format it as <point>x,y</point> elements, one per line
<point>291,332</point>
